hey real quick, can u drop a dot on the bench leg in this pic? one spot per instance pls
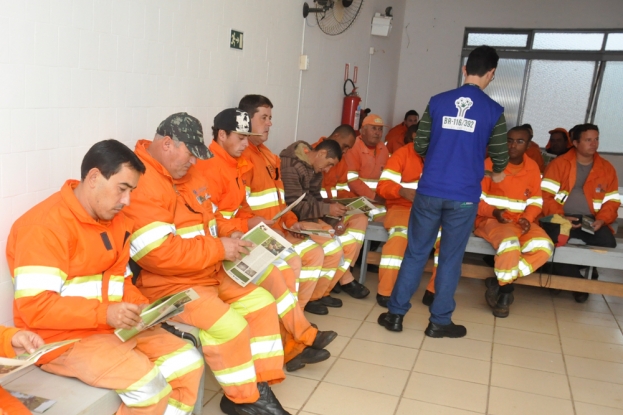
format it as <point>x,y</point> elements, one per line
<point>589,273</point>
<point>364,261</point>
<point>198,409</point>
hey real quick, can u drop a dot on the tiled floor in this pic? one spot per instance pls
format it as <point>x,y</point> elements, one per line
<point>550,356</point>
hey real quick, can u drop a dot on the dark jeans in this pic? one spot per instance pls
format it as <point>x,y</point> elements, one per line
<point>457,222</point>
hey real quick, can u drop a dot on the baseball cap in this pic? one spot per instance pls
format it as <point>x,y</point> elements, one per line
<point>186,129</point>
<point>234,120</point>
<point>372,119</point>
<point>559,130</point>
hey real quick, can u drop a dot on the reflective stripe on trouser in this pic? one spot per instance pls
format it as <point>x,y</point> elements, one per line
<point>517,255</point>
<point>240,338</point>
<point>351,241</point>
<point>151,372</point>
<point>310,256</point>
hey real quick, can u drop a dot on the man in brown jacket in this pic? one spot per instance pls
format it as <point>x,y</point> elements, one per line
<point>302,169</point>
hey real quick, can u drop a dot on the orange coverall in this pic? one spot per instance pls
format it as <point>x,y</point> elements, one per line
<point>517,254</point>
<point>8,404</point>
<point>395,138</point>
<point>601,187</point>
<point>223,174</point>
<point>67,268</point>
<point>364,170</point>
<point>175,243</point>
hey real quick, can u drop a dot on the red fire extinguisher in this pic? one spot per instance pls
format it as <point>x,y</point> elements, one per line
<point>351,110</point>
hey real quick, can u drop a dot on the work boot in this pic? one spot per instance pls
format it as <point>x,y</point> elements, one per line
<point>392,322</point>
<point>337,288</point>
<point>580,297</point>
<point>490,281</point>
<point>492,294</point>
<point>355,289</point>
<point>267,404</point>
<point>331,301</point>
<point>445,330</point>
<point>316,307</point>
<point>428,298</point>
<point>382,300</point>
<point>309,355</point>
<point>502,307</point>
<point>323,338</point>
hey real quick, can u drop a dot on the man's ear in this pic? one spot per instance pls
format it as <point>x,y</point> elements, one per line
<point>92,176</point>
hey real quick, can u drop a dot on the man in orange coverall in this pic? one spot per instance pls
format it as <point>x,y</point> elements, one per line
<point>395,138</point>
<point>176,243</point>
<point>507,219</point>
<point>265,198</point>
<point>14,342</point>
<point>534,151</point>
<point>223,174</point>
<point>580,183</point>
<point>69,260</point>
<point>366,161</point>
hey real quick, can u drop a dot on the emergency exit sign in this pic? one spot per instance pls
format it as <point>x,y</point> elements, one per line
<point>235,40</point>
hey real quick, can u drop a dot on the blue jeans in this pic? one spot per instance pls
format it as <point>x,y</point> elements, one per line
<point>457,221</point>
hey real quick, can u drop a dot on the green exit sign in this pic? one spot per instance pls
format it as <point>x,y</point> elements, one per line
<point>236,39</point>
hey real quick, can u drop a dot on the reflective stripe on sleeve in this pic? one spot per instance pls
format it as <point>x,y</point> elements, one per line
<point>149,238</point>
<point>32,280</point>
<point>550,186</point>
<point>394,176</point>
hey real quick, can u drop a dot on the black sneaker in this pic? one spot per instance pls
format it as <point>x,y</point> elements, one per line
<point>309,355</point>
<point>445,330</point>
<point>428,298</point>
<point>356,290</point>
<point>331,301</point>
<point>267,404</point>
<point>316,307</point>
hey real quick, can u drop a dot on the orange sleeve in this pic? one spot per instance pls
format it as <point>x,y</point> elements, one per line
<point>218,197</point>
<point>42,260</point>
<point>609,210</point>
<point>131,294</point>
<point>552,177</point>
<point>387,188</point>
<point>355,184</point>
<point>6,334</point>
<point>484,209</point>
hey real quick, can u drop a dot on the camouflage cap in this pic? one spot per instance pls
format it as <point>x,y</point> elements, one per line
<point>186,129</point>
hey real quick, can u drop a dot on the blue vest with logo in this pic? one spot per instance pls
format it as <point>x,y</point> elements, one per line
<point>462,121</point>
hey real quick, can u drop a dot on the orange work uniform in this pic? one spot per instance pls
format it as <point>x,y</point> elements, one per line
<point>67,270</point>
<point>395,138</point>
<point>364,170</point>
<point>175,243</point>
<point>223,174</point>
<point>517,254</point>
<point>335,181</point>
<point>534,152</point>
<point>8,404</point>
<point>601,187</point>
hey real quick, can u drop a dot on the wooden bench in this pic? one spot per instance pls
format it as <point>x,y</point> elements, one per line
<point>583,255</point>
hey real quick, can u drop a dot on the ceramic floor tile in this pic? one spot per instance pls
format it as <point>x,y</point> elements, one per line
<point>367,376</point>
<point>475,331</point>
<point>533,309</point>
<point>453,367</point>
<point>472,349</point>
<point>526,339</point>
<point>448,392</point>
<point>586,317</point>
<point>531,359</point>
<point>617,309</point>
<point>330,399</point>
<point>525,323</point>
<point>317,371</point>
<point>596,392</point>
<point>207,395</point>
<point>355,311</point>
<point>294,391</point>
<point>380,354</point>
<point>410,407</point>
<point>592,350</point>
<point>582,408</point>
<point>481,315</point>
<point>587,332</point>
<point>530,380</point>
<point>613,299</point>
<point>336,347</point>
<point>377,333</point>
<point>210,382</point>
<point>213,407</point>
<point>582,367</point>
<point>474,299</point>
<point>513,402</point>
<point>565,300</point>
<point>344,327</point>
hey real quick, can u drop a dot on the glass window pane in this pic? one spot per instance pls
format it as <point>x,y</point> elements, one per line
<point>497,39</point>
<point>608,114</point>
<point>557,96</point>
<point>568,41</point>
<point>615,41</point>
<point>506,87</point>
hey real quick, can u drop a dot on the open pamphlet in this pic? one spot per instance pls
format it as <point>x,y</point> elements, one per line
<point>10,366</point>
<point>268,246</point>
<point>159,311</point>
<point>587,224</point>
<point>356,205</point>
<point>289,207</point>
<point>33,403</point>
<point>318,232</point>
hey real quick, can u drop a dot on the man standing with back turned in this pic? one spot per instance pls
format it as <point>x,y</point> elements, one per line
<point>454,134</point>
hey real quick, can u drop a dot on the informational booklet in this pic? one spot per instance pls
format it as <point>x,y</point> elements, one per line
<point>159,311</point>
<point>10,366</point>
<point>268,246</point>
<point>318,232</point>
<point>33,403</point>
<point>587,224</point>
<point>356,205</point>
<point>289,207</point>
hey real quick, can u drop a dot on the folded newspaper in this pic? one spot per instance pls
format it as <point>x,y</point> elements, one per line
<point>10,366</point>
<point>33,403</point>
<point>268,246</point>
<point>355,205</point>
<point>318,232</point>
<point>289,207</point>
<point>587,224</point>
<point>159,311</point>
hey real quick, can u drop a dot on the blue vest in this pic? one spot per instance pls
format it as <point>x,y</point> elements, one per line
<point>462,121</point>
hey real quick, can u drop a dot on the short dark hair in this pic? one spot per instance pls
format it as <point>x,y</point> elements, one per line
<point>215,133</point>
<point>529,126</point>
<point>333,149</point>
<point>481,60</point>
<point>250,103</point>
<point>525,128</point>
<point>411,112</point>
<point>344,130</point>
<point>580,128</point>
<point>108,157</point>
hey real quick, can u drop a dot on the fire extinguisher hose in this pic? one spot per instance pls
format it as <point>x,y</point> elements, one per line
<point>353,84</point>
